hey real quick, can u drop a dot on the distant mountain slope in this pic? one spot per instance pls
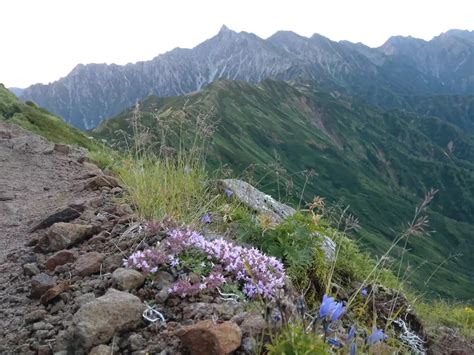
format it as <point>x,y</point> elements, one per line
<point>456,109</point>
<point>380,163</point>
<point>40,121</point>
<point>402,66</point>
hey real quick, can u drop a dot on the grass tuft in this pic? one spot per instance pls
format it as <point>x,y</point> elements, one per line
<point>161,188</point>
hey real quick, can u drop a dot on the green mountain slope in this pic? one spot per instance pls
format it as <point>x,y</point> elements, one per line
<point>379,163</point>
<point>458,110</point>
<point>40,121</point>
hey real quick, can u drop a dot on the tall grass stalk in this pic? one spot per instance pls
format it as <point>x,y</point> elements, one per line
<point>172,182</point>
<point>417,227</point>
<point>166,187</point>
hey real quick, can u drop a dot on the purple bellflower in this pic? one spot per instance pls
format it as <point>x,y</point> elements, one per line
<point>206,219</point>
<point>338,311</point>
<point>327,306</point>
<point>335,342</point>
<point>376,336</point>
<point>351,333</point>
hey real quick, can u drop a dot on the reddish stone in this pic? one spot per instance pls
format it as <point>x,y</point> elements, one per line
<point>60,258</point>
<point>207,338</point>
<point>89,263</point>
<point>54,292</point>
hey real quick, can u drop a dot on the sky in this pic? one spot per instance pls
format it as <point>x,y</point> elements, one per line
<point>42,41</point>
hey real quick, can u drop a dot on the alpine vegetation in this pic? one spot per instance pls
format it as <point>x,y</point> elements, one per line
<point>258,274</point>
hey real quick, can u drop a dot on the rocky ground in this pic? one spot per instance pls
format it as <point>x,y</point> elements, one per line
<point>64,234</point>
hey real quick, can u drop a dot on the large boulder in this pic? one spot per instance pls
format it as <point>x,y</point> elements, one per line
<point>207,338</point>
<point>97,321</point>
<point>63,235</point>
<point>257,200</point>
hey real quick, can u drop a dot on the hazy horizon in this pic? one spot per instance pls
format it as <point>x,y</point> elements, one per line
<point>47,39</point>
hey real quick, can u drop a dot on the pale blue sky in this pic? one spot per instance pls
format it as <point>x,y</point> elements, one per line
<point>43,40</point>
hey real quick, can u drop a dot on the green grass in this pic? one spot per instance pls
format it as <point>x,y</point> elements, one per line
<point>454,315</point>
<point>168,188</point>
<point>293,340</point>
<point>39,121</point>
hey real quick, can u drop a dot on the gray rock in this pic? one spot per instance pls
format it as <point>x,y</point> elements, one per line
<point>198,310</point>
<point>328,246</point>
<point>61,342</point>
<point>124,209</point>
<point>97,321</point>
<point>253,324</point>
<point>127,279</point>
<point>257,200</point>
<point>62,148</point>
<point>163,279</point>
<point>42,326</point>
<point>41,334</point>
<point>31,269</point>
<point>113,262</point>
<point>85,298</point>
<point>31,144</point>
<point>162,295</point>
<point>59,306</point>
<point>136,342</point>
<point>249,345</point>
<point>35,315</point>
<point>63,235</point>
<point>101,350</point>
<point>40,284</point>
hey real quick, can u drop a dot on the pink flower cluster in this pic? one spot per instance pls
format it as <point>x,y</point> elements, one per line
<point>260,274</point>
<point>185,288</point>
<point>147,260</point>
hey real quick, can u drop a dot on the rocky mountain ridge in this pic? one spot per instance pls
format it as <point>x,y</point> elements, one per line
<point>402,66</point>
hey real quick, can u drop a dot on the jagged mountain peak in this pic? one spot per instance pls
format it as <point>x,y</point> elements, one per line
<point>396,44</point>
<point>464,34</point>
<point>227,33</point>
<point>286,35</point>
<point>317,36</point>
<point>224,29</point>
<point>91,93</point>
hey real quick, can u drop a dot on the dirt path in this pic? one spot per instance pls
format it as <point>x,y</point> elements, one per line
<point>35,179</point>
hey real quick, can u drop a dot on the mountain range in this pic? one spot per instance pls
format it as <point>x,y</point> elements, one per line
<point>403,66</point>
